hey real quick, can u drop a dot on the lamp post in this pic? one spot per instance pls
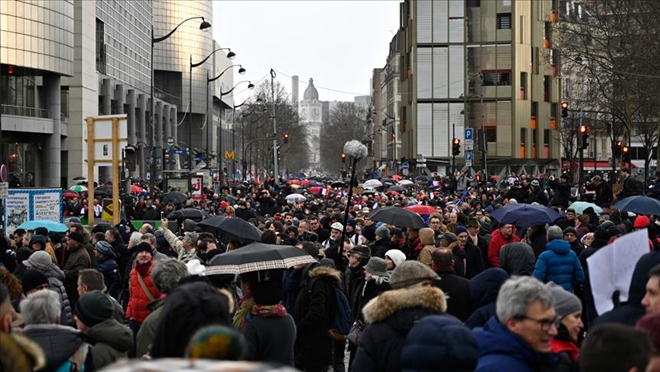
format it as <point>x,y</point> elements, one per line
<point>276,171</point>
<point>230,55</point>
<point>222,94</point>
<point>204,26</point>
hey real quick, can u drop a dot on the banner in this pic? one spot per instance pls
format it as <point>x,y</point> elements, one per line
<point>32,205</point>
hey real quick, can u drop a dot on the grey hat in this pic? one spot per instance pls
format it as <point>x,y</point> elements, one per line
<point>566,303</point>
<point>410,273</point>
<point>450,237</point>
<point>376,266</point>
<point>103,247</point>
<point>39,260</point>
<point>383,232</point>
<point>535,183</point>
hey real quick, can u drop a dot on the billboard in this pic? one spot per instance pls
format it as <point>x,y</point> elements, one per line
<point>31,205</point>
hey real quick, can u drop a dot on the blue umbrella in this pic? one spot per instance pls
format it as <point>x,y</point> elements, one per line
<point>50,225</point>
<point>639,205</point>
<point>580,206</point>
<point>525,215</point>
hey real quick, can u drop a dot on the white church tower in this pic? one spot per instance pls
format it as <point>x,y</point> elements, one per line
<point>310,112</point>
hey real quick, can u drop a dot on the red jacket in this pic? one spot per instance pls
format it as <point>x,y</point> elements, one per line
<point>138,300</point>
<point>498,241</point>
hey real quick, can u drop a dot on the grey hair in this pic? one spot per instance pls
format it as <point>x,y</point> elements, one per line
<point>151,237</point>
<point>41,307</point>
<point>554,232</point>
<point>167,273</point>
<point>135,238</point>
<point>190,237</point>
<point>519,292</point>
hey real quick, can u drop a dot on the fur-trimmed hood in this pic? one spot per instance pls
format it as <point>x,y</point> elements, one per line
<point>325,271</point>
<point>452,247</point>
<point>390,302</point>
<point>20,353</point>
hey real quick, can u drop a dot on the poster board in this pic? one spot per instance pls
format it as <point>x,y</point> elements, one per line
<point>31,205</point>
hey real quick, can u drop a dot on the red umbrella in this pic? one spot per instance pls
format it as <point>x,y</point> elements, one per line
<point>136,188</point>
<point>422,209</point>
<point>315,189</point>
<point>295,182</point>
<point>396,177</point>
<point>70,194</point>
<point>392,193</point>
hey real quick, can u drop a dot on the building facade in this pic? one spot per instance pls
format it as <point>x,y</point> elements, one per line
<point>390,87</point>
<point>485,65</point>
<point>311,113</point>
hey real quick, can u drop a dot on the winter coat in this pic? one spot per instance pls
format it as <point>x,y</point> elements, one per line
<point>313,315</point>
<point>562,193</point>
<point>381,247</point>
<point>559,264</point>
<point>145,336</point>
<point>55,282</point>
<point>59,343</point>
<point>182,255</point>
<point>137,304</point>
<point>45,246</point>
<point>270,339</point>
<point>291,286</point>
<point>497,241</point>
<point>19,353</point>
<point>483,291</point>
<point>517,259</point>
<point>107,266</point>
<point>368,292</point>
<point>457,290</point>
<point>473,263</point>
<point>628,313</point>
<point>390,317</point>
<point>537,240</point>
<point>77,259</point>
<point>427,240</point>
<point>502,350</point>
<point>111,340</point>
<point>353,282</point>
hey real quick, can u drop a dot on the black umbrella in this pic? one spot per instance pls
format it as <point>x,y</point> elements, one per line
<point>338,184</point>
<point>397,216</point>
<point>369,192</point>
<point>422,178</point>
<point>174,197</point>
<point>105,190</point>
<point>257,257</point>
<point>231,228</point>
<point>396,188</point>
<point>638,204</point>
<point>190,213</point>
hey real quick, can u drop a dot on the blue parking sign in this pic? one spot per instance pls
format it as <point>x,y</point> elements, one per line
<point>469,134</point>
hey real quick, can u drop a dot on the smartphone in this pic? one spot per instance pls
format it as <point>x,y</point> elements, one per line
<point>162,214</point>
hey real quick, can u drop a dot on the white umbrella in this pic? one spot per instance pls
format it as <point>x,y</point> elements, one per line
<point>405,182</point>
<point>372,184</point>
<point>292,198</point>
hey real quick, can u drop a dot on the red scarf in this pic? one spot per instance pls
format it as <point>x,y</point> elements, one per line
<point>143,269</point>
<point>268,311</point>
<point>560,346</point>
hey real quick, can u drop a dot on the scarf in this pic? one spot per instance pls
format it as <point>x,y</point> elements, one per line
<point>267,311</point>
<point>560,346</point>
<point>143,269</point>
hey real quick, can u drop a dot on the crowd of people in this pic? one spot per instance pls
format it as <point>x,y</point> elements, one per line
<point>463,293</point>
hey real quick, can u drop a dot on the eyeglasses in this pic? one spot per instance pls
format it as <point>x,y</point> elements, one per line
<point>546,324</point>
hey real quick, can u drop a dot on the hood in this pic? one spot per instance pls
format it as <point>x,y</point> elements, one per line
<point>391,302</point>
<point>518,259</point>
<point>325,271</point>
<point>453,246</point>
<point>641,276</point>
<point>559,246</point>
<point>38,239</point>
<point>58,342</point>
<point>53,271</point>
<point>426,236</point>
<point>485,286</point>
<point>113,334</point>
<point>26,354</point>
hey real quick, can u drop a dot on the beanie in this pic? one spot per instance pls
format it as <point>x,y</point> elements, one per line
<point>396,256</point>
<point>566,303</point>
<point>93,308</point>
<point>383,232</point>
<point>449,237</point>
<point>602,234</point>
<point>641,222</point>
<point>614,231</point>
<point>76,236</point>
<point>410,273</point>
<point>570,230</point>
<point>460,229</point>
<point>143,247</point>
<point>103,247</point>
<point>32,279</point>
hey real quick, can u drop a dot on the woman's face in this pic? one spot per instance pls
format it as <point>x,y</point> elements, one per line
<point>588,240</point>
<point>367,276</point>
<point>390,263</point>
<point>573,323</point>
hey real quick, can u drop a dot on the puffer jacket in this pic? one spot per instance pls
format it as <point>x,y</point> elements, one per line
<point>56,283</point>
<point>427,239</point>
<point>483,290</point>
<point>137,304</point>
<point>559,264</point>
<point>111,342</point>
<point>107,266</point>
<point>59,343</point>
<point>497,241</point>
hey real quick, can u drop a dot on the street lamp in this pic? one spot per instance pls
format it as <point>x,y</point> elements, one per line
<point>204,26</point>
<point>230,55</point>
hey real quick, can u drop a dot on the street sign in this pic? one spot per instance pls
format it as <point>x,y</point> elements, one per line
<point>469,137</point>
<point>3,173</point>
<point>468,158</point>
<point>170,141</point>
<point>405,165</point>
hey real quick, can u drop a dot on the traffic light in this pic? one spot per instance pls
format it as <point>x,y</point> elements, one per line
<point>618,149</point>
<point>343,157</point>
<point>584,137</point>
<point>279,158</point>
<point>625,151</point>
<point>456,146</point>
<point>564,109</point>
<point>130,158</point>
<point>286,138</point>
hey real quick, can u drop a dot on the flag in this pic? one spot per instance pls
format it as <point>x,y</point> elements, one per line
<point>393,137</point>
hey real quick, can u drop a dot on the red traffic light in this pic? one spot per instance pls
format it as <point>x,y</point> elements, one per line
<point>457,141</point>
<point>343,155</point>
<point>564,105</point>
<point>10,69</point>
<point>625,149</point>
<point>584,129</point>
<point>619,144</point>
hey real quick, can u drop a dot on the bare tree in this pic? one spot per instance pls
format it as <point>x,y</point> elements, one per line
<point>348,121</point>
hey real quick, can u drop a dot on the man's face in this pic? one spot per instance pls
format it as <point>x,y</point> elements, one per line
<point>368,221</point>
<point>651,300</point>
<point>570,215</point>
<point>537,328</point>
<point>507,229</point>
<point>109,237</point>
<point>435,224</point>
<point>82,289</point>
<point>354,260</point>
<point>473,230</point>
<point>302,227</point>
<point>143,257</point>
<point>314,224</point>
<point>570,237</point>
<point>453,218</point>
<point>335,234</point>
<point>347,247</point>
<point>288,220</point>
<point>211,246</point>
<point>462,238</point>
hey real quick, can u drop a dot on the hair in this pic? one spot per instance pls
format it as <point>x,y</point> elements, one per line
<point>655,271</point>
<point>651,324</point>
<point>4,298</point>
<point>92,279</point>
<point>115,233</point>
<point>148,236</point>
<point>517,293</point>
<point>583,218</point>
<point>554,232</point>
<point>99,236</point>
<point>135,238</point>
<point>149,228</point>
<point>269,237</point>
<point>615,347</point>
<point>41,307</point>
<point>204,243</point>
<point>167,273</point>
<point>442,257</point>
<point>188,308</point>
<point>266,287</point>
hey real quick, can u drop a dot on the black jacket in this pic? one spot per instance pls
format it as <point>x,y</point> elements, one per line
<point>58,342</point>
<point>483,290</point>
<point>381,247</point>
<point>562,193</point>
<point>457,289</point>
<point>474,263</point>
<point>631,187</point>
<point>111,340</point>
<point>270,339</point>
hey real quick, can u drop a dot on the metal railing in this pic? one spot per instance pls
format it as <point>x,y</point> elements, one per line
<point>24,111</point>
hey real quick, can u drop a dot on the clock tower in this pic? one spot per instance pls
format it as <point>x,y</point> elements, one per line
<point>311,115</point>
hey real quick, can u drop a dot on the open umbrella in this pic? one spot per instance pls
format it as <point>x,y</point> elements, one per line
<point>257,257</point>
<point>231,228</point>
<point>80,178</point>
<point>406,182</point>
<point>78,188</point>
<point>190,213</point>
<point>50,225</point>
<point>292,198</point>
<point>136,188</point>
<point>105,190</point>
<point>338,184</point>
<point>525,215</point>
<point>638,204</point>
<point>398,217</point>
<point>580,206</point>
<point>372,184</point>
<point>422,209</point>
<point>70,194</point>
<point>396,188</point>
<point>175,197</point>
<point>396,177</point>
<point>369,192</point>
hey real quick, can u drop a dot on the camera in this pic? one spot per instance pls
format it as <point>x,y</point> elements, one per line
<point>309,236</point>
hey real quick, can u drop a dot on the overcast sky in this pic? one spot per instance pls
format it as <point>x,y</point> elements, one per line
<point>337,43</point>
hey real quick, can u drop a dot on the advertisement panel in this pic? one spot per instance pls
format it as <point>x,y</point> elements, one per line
<point>30,205</point>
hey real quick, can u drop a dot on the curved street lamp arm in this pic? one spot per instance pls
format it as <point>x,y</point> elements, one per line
<point>225,70</point>
<point>193,65</point>
<point>232,89</point>
<point>155,40</point>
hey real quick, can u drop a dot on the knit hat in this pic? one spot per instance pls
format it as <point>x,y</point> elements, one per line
<point>566,303</point>
<point>383,232</point>
<point>23,253</point>
<point>641,222</point>
<point>103,247</point>
<point>460,229</point>
<point>39,260</point>
<point>570,230</point>
<point>144,247</point>
<point>614,231</point>
<point>76,236</point>
<point>32,279</point>
<point>217,342</point>
<point>396,256</point>
<point>376,266</point>
<point>602,234</point>
<point>449,237</point>
<point>535,183</point>
<point>93,308</point>
<point>362,250</point>
<point>410,273</point>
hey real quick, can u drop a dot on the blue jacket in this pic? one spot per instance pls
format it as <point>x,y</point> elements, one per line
<point>483,290</point>
<point>502,350</point>
<point>559,264</point>
<point>107,266</point>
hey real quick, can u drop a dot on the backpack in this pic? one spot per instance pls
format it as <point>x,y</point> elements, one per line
<point>341,319</point>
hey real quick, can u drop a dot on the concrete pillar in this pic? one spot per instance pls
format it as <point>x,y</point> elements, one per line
<point>120,97</point>
<point>52,154</point>
<point>142,127</point>
<point>173,125</point>
<point>158,147</point>
<point>106,93</point>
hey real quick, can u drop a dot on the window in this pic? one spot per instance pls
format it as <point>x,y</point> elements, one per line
<point>101,57</point>
<point>553,110</point>
<point>491,134</point>
<point>546,88</point>
<point>496,77</point>
<point>523,85</point>
<point>473,3</point>
<point>534,109</point>
<point>504,21</point>
<point>523,136</point>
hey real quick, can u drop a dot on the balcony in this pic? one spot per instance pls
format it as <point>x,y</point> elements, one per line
<point>24,111</point>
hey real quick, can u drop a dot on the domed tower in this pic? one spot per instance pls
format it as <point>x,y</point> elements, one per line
<point>311,94</point>
<point>310,112</point>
